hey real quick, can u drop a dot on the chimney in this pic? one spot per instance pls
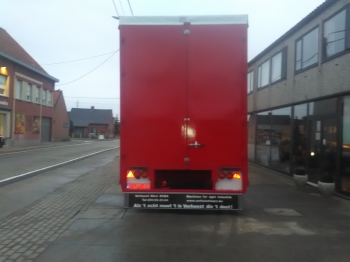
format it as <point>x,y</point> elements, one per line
<point>92,108</point>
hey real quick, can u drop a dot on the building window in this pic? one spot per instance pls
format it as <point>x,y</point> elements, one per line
<point>263,138</point>
<point>19,85</point>
<point>276,67</point>
<point>307,50</point>
<point>264,74</point>
<point>323,107</point>
<point>4,123</point>
<point>334,34</point>
<point>29,92</point>
<point>280,135</point>
<point>250,81</point>
<point>279,66</point>
<point>3,80</point>
<point>345,157</point>
<point>43,95</point>
<point>49,98</point>
<point>251,136</point>
<point>37,94</point>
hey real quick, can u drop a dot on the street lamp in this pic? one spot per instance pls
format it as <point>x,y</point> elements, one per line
<point>3,70</point>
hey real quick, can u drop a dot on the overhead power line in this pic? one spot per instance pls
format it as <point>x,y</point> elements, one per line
<point>130,7</point>
<point>122,7</point>
<point>115,8</point>
<point>79,59</point>
<point>89,71</point>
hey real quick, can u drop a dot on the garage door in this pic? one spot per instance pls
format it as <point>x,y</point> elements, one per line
<point>46,129</point>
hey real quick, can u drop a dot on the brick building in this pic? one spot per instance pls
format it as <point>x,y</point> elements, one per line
<point>26,96</point>
<point>92,121</point>
<point>299,98</point>
<point>60,118</point>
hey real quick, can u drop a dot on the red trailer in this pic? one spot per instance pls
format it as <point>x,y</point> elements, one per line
<point>183,111</point>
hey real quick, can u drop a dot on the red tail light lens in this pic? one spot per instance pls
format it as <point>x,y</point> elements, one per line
<point>222,175</point>
<point>144,174</point>
<point>137,174</point>
<point>229,175</point>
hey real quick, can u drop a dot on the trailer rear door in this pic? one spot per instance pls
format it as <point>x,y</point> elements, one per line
<point>153,89</point>
<point>216,95</point>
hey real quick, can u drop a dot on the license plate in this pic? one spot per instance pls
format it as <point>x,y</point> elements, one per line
<point>138,186</point>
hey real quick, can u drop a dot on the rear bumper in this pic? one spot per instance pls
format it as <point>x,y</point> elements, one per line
<point>183,201</point>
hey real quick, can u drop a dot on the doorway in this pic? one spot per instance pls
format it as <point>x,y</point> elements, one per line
<point>46,129</point>
<point>322,146</point>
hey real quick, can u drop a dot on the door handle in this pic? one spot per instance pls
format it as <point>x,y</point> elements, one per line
<point>196,144</point>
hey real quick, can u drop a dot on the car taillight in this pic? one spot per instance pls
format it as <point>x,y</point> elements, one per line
<point>229,175</point>
<point>144,174</point>
<point>222,175</point>
<point>137,174</point>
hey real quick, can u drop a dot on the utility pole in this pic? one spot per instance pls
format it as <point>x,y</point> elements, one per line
<point>77,103</point>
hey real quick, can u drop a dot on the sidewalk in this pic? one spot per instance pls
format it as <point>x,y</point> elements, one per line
<point>276,189</point>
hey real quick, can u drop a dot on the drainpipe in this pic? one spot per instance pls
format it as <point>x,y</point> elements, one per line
<point>41,111</point>
<point>14,106</point>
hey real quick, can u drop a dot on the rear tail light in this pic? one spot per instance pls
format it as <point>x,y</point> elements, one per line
<point>229,175</point>
<point>137,174</point>
<point>144,174</point>
<point>138,179</point>
<point>233,181</point>
<point>130,174</point>
<point>237,176</point>
<point>222,175</point>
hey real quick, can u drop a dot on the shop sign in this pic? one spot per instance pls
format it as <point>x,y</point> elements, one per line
<point>4,103</point>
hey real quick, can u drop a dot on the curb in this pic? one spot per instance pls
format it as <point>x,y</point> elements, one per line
<point>20,177</point>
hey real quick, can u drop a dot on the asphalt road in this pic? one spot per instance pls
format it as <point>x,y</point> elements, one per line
<point>17,163</point>
<point>24,193</point>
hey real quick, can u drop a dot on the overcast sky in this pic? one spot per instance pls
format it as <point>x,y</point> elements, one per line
<point>55,31</point>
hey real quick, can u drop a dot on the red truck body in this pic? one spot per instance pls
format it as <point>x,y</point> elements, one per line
<point>183,111</point>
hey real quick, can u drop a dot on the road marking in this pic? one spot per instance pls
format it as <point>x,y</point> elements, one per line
<point>18,177</point>
<point>36,149</point>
